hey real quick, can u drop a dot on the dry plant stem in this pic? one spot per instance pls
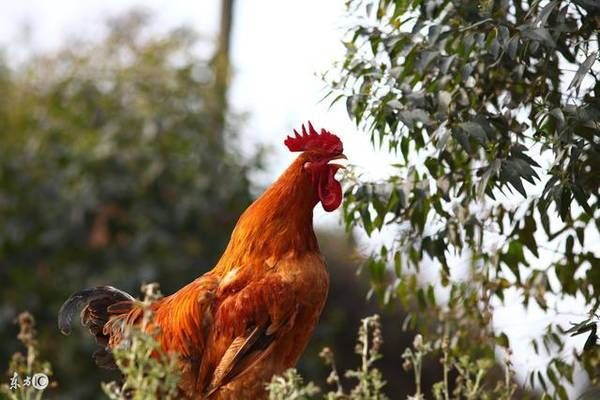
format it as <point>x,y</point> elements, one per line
<point>369,381</point>
<point>507,379</point>
<point>470,382</point>
<point>418,394</point>
<point>365,347</point>
<point>418,361</point>
<point>475,389</point>
<point>334,377</point>
<point>446,362</point>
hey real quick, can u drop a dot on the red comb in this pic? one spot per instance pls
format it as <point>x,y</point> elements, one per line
<point>312,140</point>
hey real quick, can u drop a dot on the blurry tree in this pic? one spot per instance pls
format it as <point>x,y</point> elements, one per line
<point>221,61</point>
<point>480,99</point>
<point>113,169</point>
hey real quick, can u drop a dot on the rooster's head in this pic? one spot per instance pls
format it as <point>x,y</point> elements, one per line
<point>318,150</point>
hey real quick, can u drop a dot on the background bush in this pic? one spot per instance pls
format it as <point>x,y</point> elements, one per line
<point>112,170</point>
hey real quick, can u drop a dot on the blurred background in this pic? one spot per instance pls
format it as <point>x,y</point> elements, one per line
<point>131,138</point>
<point>133,134</point>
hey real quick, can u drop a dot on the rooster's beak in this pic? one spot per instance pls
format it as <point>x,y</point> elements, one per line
<point>340,157</point>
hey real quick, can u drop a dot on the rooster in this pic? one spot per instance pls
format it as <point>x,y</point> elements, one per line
<point>252,315</point>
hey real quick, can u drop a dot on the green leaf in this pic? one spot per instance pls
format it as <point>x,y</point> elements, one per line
<point>583,70</point>
<point>565,369</point>
<point>431,295</point>
<point>491,171</point>
<point>514,257</point>
<point>512,46</point>
<point>425,59</point>
<point>562,392</point>
<point>541,35</point>
<point>542,17</point>
<point>411,117</point>
<point>542,381</point>
<point>552,376</point>
<point>580,231</point>
<point>460,136</point>
<point>404,145</point>
<point>569,245</point>
<point>527,234</point>
<point>376,268</point>
<point>475,131</point>
<point>510,172</point>
<point>365,217</point>
<point>502,340</point>
<point>398,263</point>
<point>559,116</point>
<point>582,198</point>
<point>421,301</point>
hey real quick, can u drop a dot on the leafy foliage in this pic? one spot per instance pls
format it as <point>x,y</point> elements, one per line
<point>480,100</point>
<point>112,170</point>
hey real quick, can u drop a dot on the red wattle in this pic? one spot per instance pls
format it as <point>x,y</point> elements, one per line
<point>329,189</point>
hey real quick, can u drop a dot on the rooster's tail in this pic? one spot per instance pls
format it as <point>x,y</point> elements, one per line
<point>98,305</point>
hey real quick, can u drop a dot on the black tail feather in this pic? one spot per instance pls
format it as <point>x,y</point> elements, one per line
<point>105,295</point>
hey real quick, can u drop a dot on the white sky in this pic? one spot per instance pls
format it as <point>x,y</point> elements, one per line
<point>278,49</point>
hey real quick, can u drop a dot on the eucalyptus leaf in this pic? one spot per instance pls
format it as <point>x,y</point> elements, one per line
<point>583,70</point>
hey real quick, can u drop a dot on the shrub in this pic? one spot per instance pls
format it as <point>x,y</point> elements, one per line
<point>25,368</point>
<point>470,383</point>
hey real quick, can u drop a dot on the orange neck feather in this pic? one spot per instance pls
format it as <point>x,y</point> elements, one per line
<point>277,224</point>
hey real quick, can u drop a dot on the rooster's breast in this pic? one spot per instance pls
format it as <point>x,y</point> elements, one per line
<point>309,280</point>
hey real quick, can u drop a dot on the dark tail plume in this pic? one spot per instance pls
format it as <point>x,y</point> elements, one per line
<point>97,306</point>
<point>95,301</point>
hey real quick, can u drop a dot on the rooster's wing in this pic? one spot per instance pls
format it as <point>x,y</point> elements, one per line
<point>249,317</point>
